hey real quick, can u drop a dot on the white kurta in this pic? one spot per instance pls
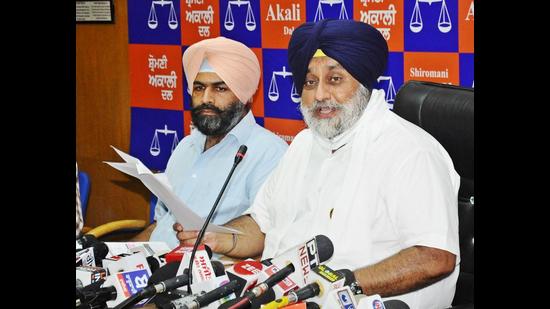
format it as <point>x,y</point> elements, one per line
<point>390,186</point>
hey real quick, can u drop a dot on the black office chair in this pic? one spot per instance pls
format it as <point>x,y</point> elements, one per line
<point>447,113</point>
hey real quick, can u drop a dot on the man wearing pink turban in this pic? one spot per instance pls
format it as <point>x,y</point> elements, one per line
<point>222,76</point>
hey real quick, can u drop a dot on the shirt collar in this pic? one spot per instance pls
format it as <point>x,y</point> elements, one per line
<point>241,132</point>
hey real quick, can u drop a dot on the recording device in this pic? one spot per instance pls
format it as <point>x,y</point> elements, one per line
<point>238,158</point>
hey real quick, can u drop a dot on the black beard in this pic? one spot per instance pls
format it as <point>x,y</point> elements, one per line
<point>219,124</point>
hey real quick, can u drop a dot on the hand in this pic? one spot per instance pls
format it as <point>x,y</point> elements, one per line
<point>218,242</point>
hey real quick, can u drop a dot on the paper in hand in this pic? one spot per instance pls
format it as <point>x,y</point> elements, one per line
<point>159,185</point>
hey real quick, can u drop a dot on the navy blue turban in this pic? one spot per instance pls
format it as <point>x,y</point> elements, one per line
<point>358,47</point>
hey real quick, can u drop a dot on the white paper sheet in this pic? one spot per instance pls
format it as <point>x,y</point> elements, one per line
<point>160,186</point>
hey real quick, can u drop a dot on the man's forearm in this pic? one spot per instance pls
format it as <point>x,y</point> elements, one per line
<point>145,234</point>
<point>408,270</point>
<point>251,242</point>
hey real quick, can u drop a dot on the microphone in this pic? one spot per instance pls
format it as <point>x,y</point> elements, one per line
<point>246,273</point>
<point>126,262</point>
<point>86,293</point>
<point>92,255</point>
<point>86,275</point>
<point>246,300</point>
<point>323,280</point>
<point>395,304</point>
<point>165,286</point>
<point>85,241</point>
<point>238,158</point>
<point>115,289</point>
<point>207,298</point>
<point>305,257</point>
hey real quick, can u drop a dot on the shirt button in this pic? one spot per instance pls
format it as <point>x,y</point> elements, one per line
<point>194,175</point>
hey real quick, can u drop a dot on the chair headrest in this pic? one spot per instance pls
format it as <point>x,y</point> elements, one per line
<point>447,113</point>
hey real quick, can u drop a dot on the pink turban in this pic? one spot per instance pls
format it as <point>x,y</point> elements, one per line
<point>234,62</point>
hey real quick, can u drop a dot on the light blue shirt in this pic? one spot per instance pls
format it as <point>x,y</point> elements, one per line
<point>197,177</point>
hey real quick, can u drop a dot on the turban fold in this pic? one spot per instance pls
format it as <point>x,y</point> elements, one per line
<point>358,47</point>
<point>234,62</point>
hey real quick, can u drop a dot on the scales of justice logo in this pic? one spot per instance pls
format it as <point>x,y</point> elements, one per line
<point>443,22</point>
<point>152,21</point>
<point>154,150</point>
<point>229,21</point>
<point>389,90</point>
<point>319,12</point>
<point>273,92</point>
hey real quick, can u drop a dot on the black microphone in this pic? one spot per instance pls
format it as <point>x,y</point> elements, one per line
<point>94,296</point>
<point>166,285</point>
<point>238,158</point>
<point>395,304</point>
<point>206,298</point>
<point>85,241</point>
<point>84,257</point>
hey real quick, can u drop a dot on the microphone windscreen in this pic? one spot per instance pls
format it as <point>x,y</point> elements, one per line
<point>240,154</point>
<point>348,274</point>
<point>100,251</point>
<point>87,240</point>
<point>312,305</point>
<point>325,248</point>
<point>164,273</point>
<point>153,263</point>
<point>219,269</point>
<point>395,304</point>
<point>243,149</point>
<point>265,298</point>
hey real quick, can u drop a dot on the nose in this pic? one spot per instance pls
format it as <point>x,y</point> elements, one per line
<point>322,92</point>
<point>207,96</point>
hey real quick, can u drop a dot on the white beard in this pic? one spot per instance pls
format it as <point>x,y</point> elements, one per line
<point>348,114</point>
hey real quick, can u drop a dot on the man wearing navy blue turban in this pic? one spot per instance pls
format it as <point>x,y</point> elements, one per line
<point>358,47</point>
<point>380,188</point>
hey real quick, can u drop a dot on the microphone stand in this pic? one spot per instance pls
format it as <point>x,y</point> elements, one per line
<point>238,158</point>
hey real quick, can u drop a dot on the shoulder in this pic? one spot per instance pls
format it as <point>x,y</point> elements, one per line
<point>407,137</point>
<point>407,143</point>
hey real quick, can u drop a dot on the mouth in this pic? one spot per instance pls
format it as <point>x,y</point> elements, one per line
<point>325,112</point>
<point>208,112</point>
